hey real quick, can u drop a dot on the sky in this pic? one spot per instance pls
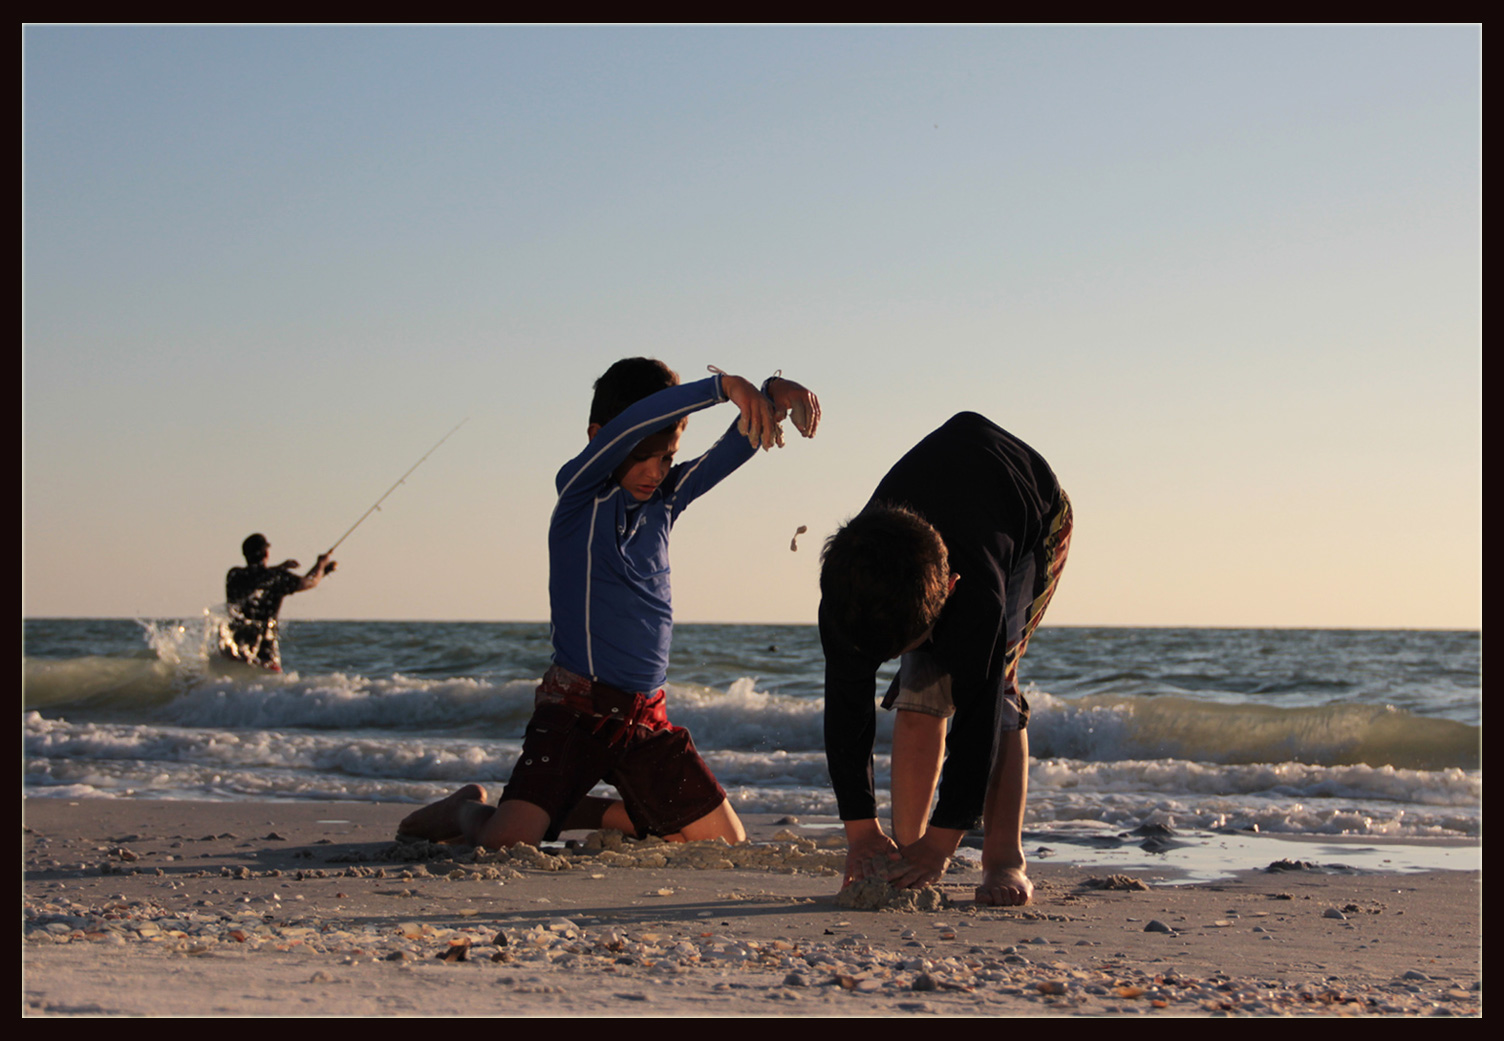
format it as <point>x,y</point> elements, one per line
<point>1226,280</point>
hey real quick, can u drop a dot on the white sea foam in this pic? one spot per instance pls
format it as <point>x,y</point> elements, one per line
<point>1207,730</point>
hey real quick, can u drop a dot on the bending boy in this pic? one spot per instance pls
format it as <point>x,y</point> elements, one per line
<point>949,567</point>
<point>599,712</point>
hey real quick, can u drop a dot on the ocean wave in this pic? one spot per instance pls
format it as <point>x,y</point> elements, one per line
<point>1112,727</point>
<point>1287,781</point>
<point>1095,728</point>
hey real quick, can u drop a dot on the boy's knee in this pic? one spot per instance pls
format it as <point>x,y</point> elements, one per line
<point>735,831</point>
<point>917,729</point>
<point>720,823</point>
<point>512,823</point>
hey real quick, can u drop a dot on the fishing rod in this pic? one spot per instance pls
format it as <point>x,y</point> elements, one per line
<point>377,504</point>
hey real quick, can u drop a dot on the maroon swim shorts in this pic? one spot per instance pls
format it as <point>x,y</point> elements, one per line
<point>584,732</point>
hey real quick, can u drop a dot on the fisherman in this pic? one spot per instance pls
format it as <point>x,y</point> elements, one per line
<point>253,595</point>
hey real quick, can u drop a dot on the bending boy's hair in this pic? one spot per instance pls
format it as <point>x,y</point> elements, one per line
<point>626,383</point>
<point>884,576</point>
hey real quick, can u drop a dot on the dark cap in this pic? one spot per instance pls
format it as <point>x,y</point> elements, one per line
<point>254,547</point>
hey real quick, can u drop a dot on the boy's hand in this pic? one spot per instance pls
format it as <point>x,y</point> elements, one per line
<point>869,852</point>
<point>920,863</point>
<point>757,424</point>
<point>800,403</point>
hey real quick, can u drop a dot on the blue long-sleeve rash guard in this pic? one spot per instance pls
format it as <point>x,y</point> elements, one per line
<point>608,583</point>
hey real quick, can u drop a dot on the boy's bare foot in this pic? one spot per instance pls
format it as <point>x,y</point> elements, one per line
<point>1005,887</point>
<point>440,821</point>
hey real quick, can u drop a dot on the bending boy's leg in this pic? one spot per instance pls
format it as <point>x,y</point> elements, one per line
<point>918,750</point>
<point>1005,881</point>
<point>921,698</point>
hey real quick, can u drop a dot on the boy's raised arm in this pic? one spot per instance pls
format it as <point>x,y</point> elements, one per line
<point>798,402</point>
<point>757,424</point>
<point>762,410</point>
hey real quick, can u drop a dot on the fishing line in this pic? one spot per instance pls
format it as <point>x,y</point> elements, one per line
<point>377,504</point>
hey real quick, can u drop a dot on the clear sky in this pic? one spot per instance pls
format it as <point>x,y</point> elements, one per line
<point>1227,280</point>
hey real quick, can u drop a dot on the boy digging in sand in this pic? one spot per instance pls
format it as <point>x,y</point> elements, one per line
<point>949,567</point>
<point>599,712</point>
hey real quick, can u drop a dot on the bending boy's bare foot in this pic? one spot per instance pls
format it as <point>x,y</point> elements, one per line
<point>1005,887</point>
<point>441,821</point>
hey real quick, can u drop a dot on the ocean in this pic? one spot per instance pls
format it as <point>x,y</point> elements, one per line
<point>1214,732</point>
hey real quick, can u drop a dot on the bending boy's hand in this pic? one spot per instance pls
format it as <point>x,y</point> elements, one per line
<point>800,403</point>
<point>919,864</point>
<point>757,424</point>
<point>869,852</point>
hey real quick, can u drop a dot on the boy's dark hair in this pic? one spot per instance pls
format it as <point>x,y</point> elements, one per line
<point>884,577</point>
<point>629,381</point>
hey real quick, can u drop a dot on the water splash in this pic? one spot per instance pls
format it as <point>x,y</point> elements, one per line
<point>187,645</point>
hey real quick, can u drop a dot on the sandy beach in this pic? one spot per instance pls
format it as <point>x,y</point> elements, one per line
<point>134,907</point>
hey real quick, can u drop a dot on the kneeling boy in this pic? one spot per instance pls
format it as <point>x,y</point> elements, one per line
<point>950,566</point>
<point>599,712</point>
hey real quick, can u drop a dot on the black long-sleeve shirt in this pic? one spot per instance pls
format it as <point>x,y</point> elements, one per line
<point>991,497</point>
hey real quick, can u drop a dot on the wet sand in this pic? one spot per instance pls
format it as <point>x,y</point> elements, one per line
<point>245,909</point>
